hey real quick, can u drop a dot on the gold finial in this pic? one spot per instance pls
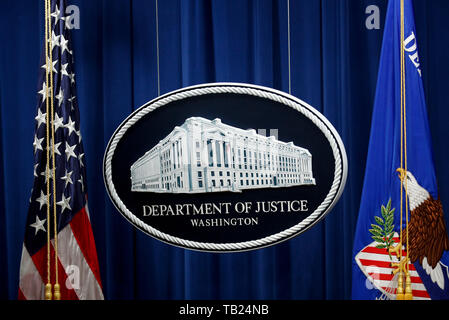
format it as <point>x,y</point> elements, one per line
<point>48,294</point>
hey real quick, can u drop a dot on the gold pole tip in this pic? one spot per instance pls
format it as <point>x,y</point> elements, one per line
<point>48,294</point>
<point>57,292</point>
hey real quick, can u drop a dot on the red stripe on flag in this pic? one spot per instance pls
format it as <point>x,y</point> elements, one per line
<point>420,294</point>
<point>83,234</point>
<point>20,295</point>
<point>381,251</point>
<point>40,261</point>
<point>388,277</point>
<point>380,264</point>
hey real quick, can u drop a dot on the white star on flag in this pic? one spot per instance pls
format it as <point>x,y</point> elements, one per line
<point>43,91</point>
<point>60,97</point>
<point>64,203</point>
<point>67,23</point>
<point>37,144</point>
<point>64,69</point>
<point>54,40</point>
<point>50,174</point>
<point>69,151</point>
<point>56,14</point>
<point>72,77</point>
<point>42,200</point>
<point>70,125</point>
<point>67,178</point>
<point>40,118</point>
<point>56,148</point>
<point>53,67</point>
<point>64,44</point>
<point>58,122</point>
<point>38,225</point>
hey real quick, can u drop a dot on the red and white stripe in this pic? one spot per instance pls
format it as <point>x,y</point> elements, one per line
<point>376,265</point>
<point>78,270</point>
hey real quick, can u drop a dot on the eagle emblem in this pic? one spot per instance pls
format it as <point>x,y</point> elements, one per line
<point>381,260</point>
<point>426,229</point>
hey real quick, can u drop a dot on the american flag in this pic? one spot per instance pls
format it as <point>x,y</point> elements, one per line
<point>78,270</point>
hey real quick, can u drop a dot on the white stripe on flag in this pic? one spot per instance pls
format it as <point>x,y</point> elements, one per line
<point>382,258</point>
<point>31,283</point>
<point>386,284</point>
<point>380,270</point>
<point>80,276</point>
<point>376,265</point>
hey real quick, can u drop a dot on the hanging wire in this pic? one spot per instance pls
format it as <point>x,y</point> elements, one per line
<point>157,50</point>
<point>289,49</point>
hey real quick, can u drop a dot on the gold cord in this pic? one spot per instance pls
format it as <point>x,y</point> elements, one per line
<point>50,122</point>
<point>48,286</point>
<point>402,119</point>
<point>408,291</point>
<point>57,295</point>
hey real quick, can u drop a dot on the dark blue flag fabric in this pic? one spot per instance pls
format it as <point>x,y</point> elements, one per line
<point>394,152</point>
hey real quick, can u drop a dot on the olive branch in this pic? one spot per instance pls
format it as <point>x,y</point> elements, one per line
<point>383,231</point>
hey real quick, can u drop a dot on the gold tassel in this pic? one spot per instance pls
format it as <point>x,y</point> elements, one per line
<point>408,288</point>
<point>57,292</point>
<point>48,294</point>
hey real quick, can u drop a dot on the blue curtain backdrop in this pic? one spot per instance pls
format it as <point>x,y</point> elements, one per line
<point>334,61</point>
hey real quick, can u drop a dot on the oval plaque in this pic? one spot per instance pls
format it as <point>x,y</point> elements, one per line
<point>225,167</point>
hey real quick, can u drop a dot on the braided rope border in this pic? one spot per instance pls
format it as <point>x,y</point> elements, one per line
<point>338,151</point>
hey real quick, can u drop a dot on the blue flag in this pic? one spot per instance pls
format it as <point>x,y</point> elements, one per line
<point>378,230</point>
